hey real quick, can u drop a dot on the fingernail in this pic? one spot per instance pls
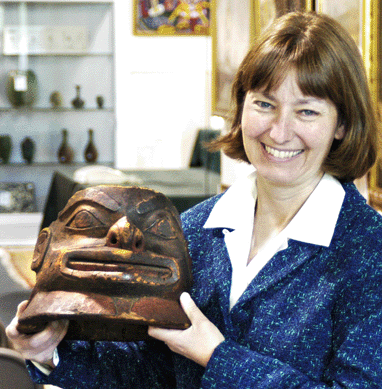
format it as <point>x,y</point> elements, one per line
<point>185,297</point>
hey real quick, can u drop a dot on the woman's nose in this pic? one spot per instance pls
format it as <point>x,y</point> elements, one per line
<point>281,128</point>
<point>126,236</point>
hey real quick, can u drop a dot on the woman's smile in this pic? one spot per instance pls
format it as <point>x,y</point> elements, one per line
<point>282,154</point>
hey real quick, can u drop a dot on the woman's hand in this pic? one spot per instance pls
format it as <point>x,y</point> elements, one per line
<point>197,342</point>
<point>38,347</point>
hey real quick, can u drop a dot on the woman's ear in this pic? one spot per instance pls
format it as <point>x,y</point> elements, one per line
<point>340,132</point>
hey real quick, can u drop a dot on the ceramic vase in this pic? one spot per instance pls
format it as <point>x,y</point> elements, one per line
<point>21,88</point>
<point>100,101</point>
<point>65,152</point>
<point>28,150</point>
<point>55,99</point>
<point>77,102</point>
<point>91,153</point>
<point>5,148</point>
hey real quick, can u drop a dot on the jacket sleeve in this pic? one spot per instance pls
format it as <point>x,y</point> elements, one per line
<point>356,365</point>
<point>356,360</point>
<point>109,365</point>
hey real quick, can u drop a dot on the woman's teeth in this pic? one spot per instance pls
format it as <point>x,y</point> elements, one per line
<point>282,154</point>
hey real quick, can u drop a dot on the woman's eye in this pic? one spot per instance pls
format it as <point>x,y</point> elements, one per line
<point>263,104</point>
<point>83,220</point>
<point>308,112</point>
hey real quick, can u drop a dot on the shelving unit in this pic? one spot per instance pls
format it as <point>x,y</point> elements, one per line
<point>60,65</point>
<point>91,66</point>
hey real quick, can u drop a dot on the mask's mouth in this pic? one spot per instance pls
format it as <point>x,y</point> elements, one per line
<point>128,270</point>
<point>118,265</point>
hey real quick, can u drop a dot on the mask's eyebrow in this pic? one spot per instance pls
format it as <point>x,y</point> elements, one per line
<point>91,195</point>
<point>149,205</point>
<point>158,202</point>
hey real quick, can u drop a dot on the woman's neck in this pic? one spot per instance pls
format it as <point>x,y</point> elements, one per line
<point>275,208</point>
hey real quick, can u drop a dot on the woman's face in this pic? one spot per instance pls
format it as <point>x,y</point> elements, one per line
<point>287,135</point>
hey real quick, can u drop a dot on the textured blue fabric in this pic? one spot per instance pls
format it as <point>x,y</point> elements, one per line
<point>311,319</point>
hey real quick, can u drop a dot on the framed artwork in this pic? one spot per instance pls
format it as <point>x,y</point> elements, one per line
<point>355,17</point>
<point>233,30</point>
<point>268,10</point>
<point>171,17</point>
<point>235,24</point>
<point>371,51</point>
<point>348,13</point>
<point>362,19</point>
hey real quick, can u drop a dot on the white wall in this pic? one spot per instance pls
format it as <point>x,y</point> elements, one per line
<point>162,95</point>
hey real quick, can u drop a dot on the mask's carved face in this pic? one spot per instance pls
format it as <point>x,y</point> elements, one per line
<point>115,256</point>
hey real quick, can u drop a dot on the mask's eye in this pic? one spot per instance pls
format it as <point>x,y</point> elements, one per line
<point>163,228</point>
<point>83,220</point>
<point>40,249</point>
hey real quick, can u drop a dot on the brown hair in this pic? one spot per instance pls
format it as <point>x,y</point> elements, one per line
<point>329,66</point>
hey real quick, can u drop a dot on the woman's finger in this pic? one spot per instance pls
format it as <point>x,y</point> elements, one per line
<point>189,307</point>
<point>21,307</point>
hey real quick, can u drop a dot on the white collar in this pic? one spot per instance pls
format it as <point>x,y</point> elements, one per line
<point>316,220</point>
<point>235,204</point>
<point>314,223</point>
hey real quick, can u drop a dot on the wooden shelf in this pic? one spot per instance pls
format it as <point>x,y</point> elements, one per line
<point>66,54</point>
<point>52,165</point>
<point>53,110</point>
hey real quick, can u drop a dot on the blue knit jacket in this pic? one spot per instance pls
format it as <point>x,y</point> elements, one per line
<point>311,319</point>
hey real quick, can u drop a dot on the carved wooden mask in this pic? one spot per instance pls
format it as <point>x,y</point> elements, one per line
<point>114,262</point>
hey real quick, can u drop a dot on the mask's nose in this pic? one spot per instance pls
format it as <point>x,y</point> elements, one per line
<point>126,236</point>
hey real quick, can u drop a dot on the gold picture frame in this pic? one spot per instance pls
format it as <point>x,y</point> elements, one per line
<point>371,51</point>
<point>363,23</point>
<point>347,13</point>
<point>171,18</point>
<point>268,10</point>
<point>235,24</point>
<point>233,30</point>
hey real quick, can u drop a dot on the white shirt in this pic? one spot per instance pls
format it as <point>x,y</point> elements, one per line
<point>234,212</point>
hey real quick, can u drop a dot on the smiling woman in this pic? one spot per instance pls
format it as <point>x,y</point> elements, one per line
<point>328,67</point>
